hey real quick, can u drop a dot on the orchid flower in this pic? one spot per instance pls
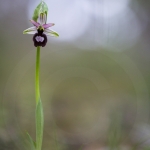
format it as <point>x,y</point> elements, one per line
<point>40,30</point>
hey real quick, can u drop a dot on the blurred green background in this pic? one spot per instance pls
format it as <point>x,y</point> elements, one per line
<point>94,78</point>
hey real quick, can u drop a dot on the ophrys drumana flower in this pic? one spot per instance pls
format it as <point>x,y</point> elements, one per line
<point>40,30</point>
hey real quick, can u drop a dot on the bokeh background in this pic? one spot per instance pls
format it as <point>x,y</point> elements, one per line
<point>95,78</point>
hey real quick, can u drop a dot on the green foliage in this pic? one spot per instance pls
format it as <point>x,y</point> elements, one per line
<point>32,145</point>
<point>39,125</point>
<point>41,8</point>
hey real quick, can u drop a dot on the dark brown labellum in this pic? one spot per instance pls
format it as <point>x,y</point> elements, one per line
<point>39,39</point>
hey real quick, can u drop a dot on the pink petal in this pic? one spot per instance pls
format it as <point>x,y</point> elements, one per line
<point>45,26</point>
<point>35,23</point>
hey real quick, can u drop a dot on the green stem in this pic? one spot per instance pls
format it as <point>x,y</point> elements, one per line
<point>37,83</point>
<point>39,108</point>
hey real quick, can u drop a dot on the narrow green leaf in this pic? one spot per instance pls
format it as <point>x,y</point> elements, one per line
<point>41,8</point>
<point>31,142</point>
<point>39,125</point>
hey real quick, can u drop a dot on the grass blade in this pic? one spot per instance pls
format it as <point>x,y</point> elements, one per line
<point>32,144</point>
